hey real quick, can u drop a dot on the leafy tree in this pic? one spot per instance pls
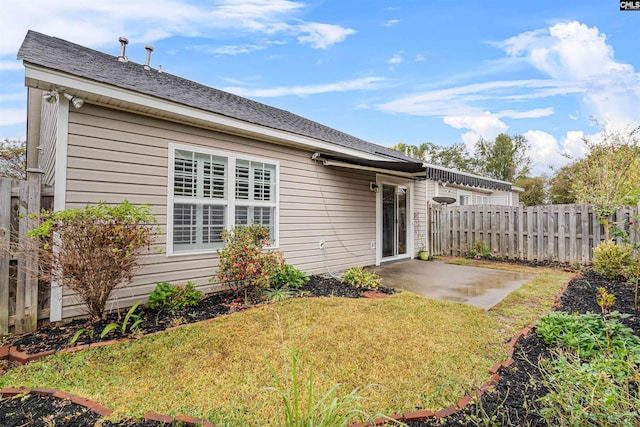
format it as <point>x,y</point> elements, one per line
<point>453,157</point>
<point>505,158</point>
<point>609,177</point>
<point>560,186</point>
<point>13,159</point>
<point>535,192</point>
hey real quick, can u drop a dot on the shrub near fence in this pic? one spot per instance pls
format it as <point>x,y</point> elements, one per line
<point>564,233</point>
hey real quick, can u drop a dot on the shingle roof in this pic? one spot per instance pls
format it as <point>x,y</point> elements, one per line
<point>60,55</point>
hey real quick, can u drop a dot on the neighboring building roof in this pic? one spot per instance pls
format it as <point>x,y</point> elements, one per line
<point>61,55</point>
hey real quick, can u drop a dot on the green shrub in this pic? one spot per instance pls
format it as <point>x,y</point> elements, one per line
<point>169,297</point>
<point>586,334</point>
<point>94,249</point>
<point>244,266</point>
<point>612,260</point>
<point>361,278</point>
<point>289,276</point>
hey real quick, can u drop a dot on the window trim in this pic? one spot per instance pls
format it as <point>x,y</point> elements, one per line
<point>464,193</point>
<point>230,202</point>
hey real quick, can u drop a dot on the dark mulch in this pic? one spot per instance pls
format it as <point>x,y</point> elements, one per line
<point>58,337</point>
<point>513,401</point>
<point>33,410</point>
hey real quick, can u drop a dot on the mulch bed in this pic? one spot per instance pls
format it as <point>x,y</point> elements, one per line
<point>512,401</point>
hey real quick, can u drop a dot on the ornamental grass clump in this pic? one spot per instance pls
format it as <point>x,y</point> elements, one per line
<point>244,266</point>
<point>93,250</point>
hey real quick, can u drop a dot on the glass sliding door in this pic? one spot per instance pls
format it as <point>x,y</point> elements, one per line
<point>394,221</point>
<point>388,220</point>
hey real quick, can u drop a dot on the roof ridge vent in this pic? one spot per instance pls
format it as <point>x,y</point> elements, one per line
<point>149,49</point>
<point>123,46</point>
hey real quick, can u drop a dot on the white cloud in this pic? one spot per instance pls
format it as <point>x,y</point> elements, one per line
<point>12,116</point>
<point>419,57</point>
<point>574,52</point>
<point>100,23</point>
<point>574,146</point>
<point>366,83</point>
<point>10,65</point>
<point>321,36</point>
<point>390,23</point>
<point>462,100</point>
<point>544,151</point>
<point>486,126</point>
<point>395,59</point>
<point>536,113</point>
<point>228,49</point>
<point>470,139</point>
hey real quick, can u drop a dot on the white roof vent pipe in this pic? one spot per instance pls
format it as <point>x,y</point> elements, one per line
<point>149,49</point>
<point>123,46</point>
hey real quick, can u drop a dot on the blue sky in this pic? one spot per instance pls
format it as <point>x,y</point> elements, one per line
<point>408,71</point>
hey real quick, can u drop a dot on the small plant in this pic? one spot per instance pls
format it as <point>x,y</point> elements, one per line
<point>613,260</point>
<point>605,301</point>
<point>361,278</point>
<point>479,250</point>
<point>79,333</point>
<point>587,334</point>
<point>276,294</point>
<point>169,297</point>
<point>300,407</point>
<point>131,316</point>
<point>289,276</point>
<point>244,266</point>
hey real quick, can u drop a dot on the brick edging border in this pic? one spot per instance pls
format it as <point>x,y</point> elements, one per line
<point>101,410</point>
<point>493,371</point>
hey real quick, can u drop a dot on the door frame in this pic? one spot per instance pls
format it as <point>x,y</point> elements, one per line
<point>401,182</point>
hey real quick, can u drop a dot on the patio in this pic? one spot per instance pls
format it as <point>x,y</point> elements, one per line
<point>480,287</point>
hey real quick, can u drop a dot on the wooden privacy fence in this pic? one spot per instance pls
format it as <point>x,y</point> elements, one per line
<point>23,299</point>
<point>564,233</point>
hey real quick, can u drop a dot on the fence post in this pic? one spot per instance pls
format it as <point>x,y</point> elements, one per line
<point>31,259</point>
<point>5,242</point>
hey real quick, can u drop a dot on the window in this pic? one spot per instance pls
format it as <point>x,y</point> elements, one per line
<point>483,200</point>
<point>464,198</point>
<point>210,192</point>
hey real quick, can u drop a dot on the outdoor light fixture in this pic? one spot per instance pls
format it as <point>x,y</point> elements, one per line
<point>374,187</point>
<point>77,102</point>
<point>50,96</point>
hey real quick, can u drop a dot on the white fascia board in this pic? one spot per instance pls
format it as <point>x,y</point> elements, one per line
<point>60,79</point>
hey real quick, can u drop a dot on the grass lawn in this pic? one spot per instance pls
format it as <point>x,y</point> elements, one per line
<point>405,351</point>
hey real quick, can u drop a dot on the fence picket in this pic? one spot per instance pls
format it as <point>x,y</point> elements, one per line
<point>566,233</point>
<point>5,238</point>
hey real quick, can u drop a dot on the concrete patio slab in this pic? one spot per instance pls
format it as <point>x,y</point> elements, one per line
<point>480,287</point>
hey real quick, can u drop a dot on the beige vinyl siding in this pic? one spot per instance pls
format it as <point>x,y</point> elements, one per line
<point>419,217</point>
<point>48,130</point>
<point>114,155</point>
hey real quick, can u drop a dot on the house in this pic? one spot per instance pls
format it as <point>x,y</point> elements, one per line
<point>103,128</point>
